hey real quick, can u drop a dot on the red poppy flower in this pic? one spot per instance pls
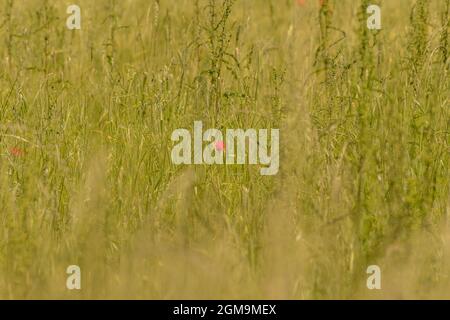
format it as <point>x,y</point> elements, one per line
<point>16,152</point>
<point>220,146</point>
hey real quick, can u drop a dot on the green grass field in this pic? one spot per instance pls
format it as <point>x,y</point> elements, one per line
<point>86,176</point>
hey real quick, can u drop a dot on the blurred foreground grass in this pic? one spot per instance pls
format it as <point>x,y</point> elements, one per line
<point>85,171</point>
